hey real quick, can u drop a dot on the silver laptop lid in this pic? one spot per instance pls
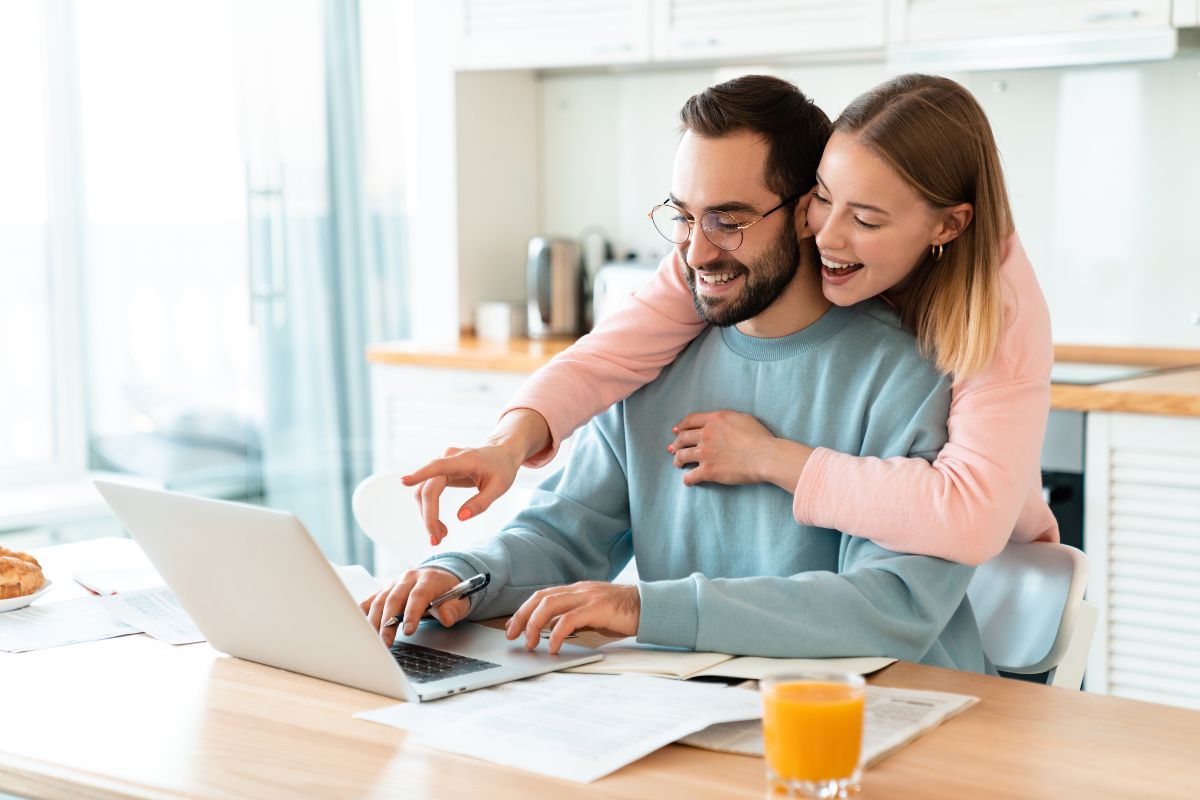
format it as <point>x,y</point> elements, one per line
<point>257,585</point>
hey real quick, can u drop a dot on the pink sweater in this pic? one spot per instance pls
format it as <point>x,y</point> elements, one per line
<point>984,487</point>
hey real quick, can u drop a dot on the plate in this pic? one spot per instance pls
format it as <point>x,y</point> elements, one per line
<point>13,603</point>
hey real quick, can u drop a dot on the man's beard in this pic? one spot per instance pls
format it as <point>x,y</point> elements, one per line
<point>764,280</point>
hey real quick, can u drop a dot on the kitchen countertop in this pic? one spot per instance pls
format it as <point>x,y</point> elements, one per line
<point>1173,392</point>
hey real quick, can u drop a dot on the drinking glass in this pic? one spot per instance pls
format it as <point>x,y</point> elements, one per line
<point>812,733</point>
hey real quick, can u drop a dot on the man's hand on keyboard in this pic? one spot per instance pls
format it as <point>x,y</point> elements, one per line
<point>611,608</point>
<point>408,597</point>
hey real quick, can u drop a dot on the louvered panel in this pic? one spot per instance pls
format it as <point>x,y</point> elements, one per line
<point>1134,603</point>
<point>1151,676</point>
<point>1168,670</point>
<point>1158,620</point>
<point>1157,697</point>
<point>1167,458</point>
<point>1181,577</point>
<point>1164,478</point>
<point>1144,478</point>
<point>1175,559</point>
<point>1168,533</point>
<point>1137,636</point>
<point>929,20</point>
<point>709,28</point>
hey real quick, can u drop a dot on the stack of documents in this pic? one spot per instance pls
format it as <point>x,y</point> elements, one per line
<point>892,718</point>
<point>575,727</point>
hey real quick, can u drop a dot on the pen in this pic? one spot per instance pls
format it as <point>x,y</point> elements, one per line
<point>465,589</point>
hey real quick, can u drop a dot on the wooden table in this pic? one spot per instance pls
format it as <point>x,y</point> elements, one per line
<point>134,718</point>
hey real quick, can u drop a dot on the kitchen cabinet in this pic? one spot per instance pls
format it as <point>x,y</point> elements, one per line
<point>1185,13</point>
<point>417,412</point>
<point>511,34</point>
<point>505,34</point>
<point>702,29</point>
<point>1142,533</point>
<point>935,20</point>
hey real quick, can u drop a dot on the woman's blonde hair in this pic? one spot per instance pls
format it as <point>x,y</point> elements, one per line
<point>937,138</point>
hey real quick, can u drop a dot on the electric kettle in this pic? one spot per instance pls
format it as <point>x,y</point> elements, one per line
<point>555,281</point>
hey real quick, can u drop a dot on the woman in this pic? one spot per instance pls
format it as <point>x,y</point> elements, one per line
<point>910,204</point>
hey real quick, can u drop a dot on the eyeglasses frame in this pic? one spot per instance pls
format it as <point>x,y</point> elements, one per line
<point>741,226</point>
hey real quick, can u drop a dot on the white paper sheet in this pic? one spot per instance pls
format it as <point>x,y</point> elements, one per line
<point>118,581</point>
<point>584,732</point>
<point>428,717</point>
<point>55,624</point>
<point>154,611</point>
<point>891,719</point>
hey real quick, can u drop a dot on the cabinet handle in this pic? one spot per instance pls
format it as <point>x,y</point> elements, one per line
<point>1111,16</point>
<point>603,49</point>
<point>469,386</point>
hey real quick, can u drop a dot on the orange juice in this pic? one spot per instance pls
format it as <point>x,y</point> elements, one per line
<point>812,730</point>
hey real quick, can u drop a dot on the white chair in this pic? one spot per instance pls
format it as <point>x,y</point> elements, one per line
<point>1029,604</point>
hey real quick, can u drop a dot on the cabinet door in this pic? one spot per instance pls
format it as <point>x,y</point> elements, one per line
<point>418,412</point>
<point>1185,13</point>
<point>499,34</point>
<point>701,29</point>
<point>940,20</point>
<point>1142,535</point>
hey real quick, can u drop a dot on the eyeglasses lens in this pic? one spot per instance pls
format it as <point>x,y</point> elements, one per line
<point>671,224</point>
<point>720,228</point>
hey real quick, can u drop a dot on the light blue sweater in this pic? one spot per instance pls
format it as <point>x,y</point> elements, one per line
<point>727,568</point>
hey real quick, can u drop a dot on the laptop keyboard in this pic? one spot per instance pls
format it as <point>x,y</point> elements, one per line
<point>424,664</point>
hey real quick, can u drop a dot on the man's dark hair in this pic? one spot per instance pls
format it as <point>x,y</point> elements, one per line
<point>794,128</point>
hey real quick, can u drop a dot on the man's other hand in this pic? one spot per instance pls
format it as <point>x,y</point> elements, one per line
<point>610,608</point>
<point>408,597</point>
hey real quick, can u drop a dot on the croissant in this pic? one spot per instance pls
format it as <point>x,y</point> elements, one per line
<point>4,551</point>
<point>20,574</point>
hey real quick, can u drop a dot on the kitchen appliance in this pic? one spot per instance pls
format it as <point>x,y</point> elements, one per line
<point>614,283</point>
<point>1062,472</point>
<point>555,281</point>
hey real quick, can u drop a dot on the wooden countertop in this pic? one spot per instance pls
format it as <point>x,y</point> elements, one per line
<point>517,355</point>
<point>1176,392</point>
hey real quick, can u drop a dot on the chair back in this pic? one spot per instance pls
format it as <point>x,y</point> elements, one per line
<point>1027,602</point>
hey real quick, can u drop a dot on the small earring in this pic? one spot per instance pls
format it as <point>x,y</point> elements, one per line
<point>935,250</point>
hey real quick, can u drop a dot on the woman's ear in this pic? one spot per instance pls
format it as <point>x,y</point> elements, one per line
<point>801,216</point>
<point>954,220</point>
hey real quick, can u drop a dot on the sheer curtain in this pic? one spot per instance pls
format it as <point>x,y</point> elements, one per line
<point>240,240</point>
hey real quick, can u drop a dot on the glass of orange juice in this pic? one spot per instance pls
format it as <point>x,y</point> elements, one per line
<point>812,733</point>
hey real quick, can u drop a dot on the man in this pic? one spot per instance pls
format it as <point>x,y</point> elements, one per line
<point>727,568</point>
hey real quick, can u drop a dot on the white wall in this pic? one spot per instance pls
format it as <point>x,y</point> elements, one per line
<point>1103,165</point>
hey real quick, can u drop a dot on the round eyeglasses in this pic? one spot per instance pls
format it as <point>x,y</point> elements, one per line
<point>720,227</point>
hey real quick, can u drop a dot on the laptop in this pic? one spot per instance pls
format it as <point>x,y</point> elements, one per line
<point>256,584</point>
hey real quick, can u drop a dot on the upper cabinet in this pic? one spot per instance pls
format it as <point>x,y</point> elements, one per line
<point>707,29</point>
<point>500,34</point>
<point>936,20</point>
<point>1186,13</point>
<point>941,35</point>
<point>937,35</point>
<point>511,34</point>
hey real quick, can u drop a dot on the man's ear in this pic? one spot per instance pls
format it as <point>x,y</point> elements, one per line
<point>954,221</point>
<point>801,216</point>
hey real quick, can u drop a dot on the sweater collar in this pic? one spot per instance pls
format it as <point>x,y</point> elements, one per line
<point>802,341</point>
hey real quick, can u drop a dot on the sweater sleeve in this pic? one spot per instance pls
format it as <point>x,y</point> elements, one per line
<point>984,485</point>
<point>625,352</point>
<point>880,604</point>
<point>575,528</point>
